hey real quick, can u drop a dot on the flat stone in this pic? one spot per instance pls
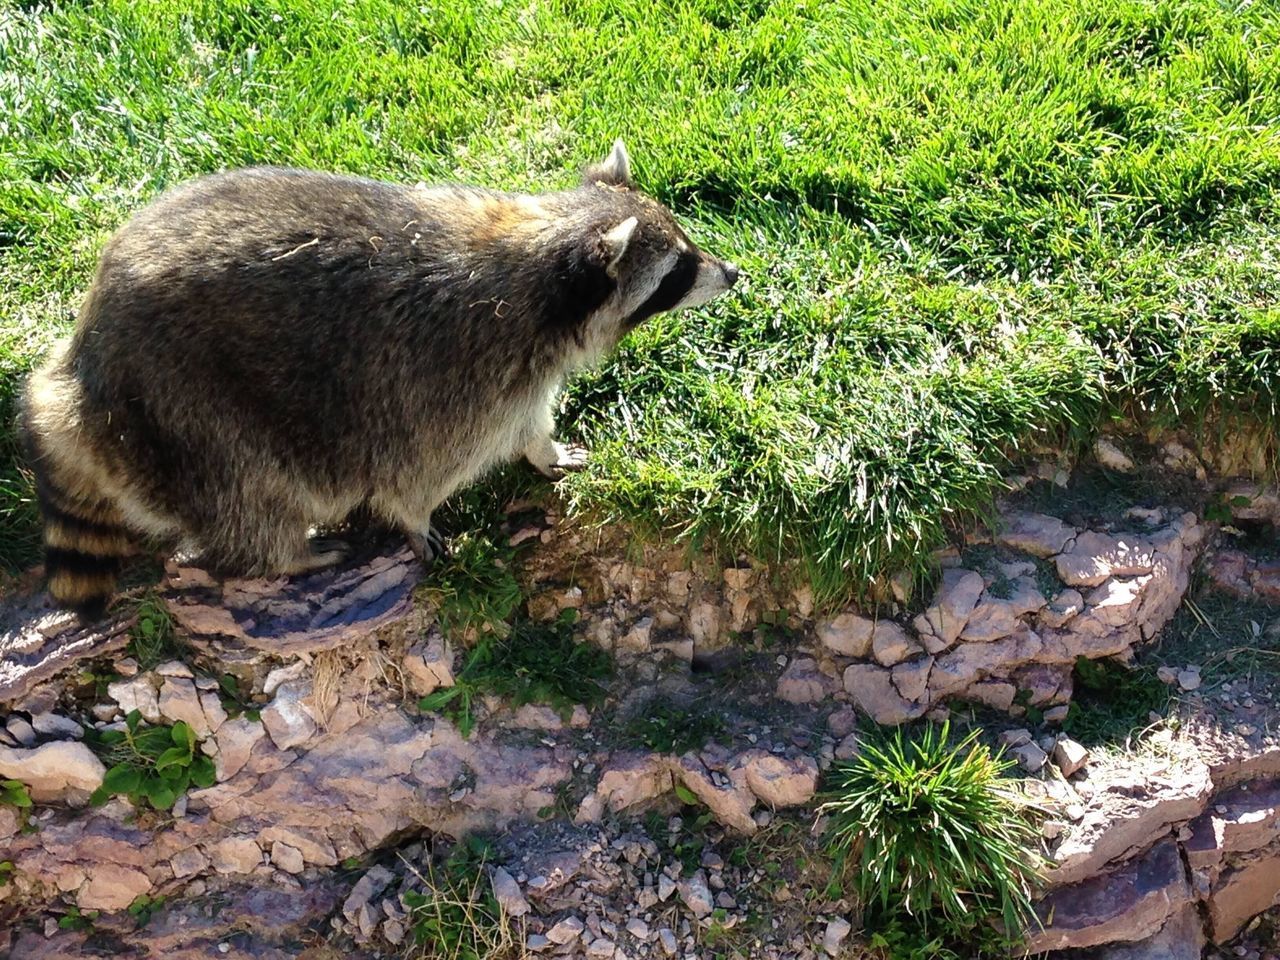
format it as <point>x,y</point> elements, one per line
<point>778,781</point>
<point>996,617</point>
<point>731,803</point>
<point>373,882</point>
<point>1095,556</point>
<point>891,644</point>
<point>112,886</point>
<point>235,739</point>
<point>428,666</point>
<point>633,778</point>
<point>1035,533</point>
<point>847,635</point>
<point>56,725</point>
<point>1062,608</point>
<point>566,931</point>
<point>287,858</point>
<point>188,862</point>
<point>235,855</point>
<point>1030,757</point>
<point>872,690</point>
<point>507,892</point>
<point>1129,903</point>
<point>287,720</point>
<point>1249,887</point>
<point>697,895</point>
<point>137,694</point>
<point>667,940</point>
<point>1111,456</point>
<point>180,701</point>
<point>803,682</point>
<point>51,769</point>
<point>997,694</point>
<point>946,616</point>
<point>834,936</point>
<point>1069,756</point>
<point>1181,938</point>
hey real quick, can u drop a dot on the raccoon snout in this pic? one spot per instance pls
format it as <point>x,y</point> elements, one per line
<point>730,271</point>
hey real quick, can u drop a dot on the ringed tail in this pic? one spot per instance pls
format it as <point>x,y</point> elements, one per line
<point>85,541</point>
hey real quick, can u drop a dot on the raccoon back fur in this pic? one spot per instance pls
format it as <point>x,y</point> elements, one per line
<point>267,349</point>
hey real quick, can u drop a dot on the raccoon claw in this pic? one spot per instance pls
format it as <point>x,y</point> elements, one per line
<point>428,547</point>
<point>568,458</point>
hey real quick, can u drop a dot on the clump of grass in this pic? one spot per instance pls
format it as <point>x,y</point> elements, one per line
<point>1111,701</point>
<point>668,727</point>
<point>455,915</point>
<point>152,639</point>
<point>14,793</point>
<point>936,842</point>
<point>532,662</point>
<point>473,588</point>
<point>156,764</point>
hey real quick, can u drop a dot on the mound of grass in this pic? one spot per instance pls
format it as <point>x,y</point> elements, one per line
<point>1111,702</point>
<point>668,727</point>
<point>455,915</point>
<point>937,846</point>
<point>964,225</point>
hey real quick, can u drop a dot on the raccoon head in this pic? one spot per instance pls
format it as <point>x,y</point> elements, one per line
<point>650,264</point>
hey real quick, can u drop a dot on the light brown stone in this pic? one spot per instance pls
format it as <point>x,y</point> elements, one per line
<point>947,615</point>
<point>1035,533</point>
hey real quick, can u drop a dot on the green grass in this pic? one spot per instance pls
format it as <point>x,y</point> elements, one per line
<point>936,844</point>
<point>965,225</point>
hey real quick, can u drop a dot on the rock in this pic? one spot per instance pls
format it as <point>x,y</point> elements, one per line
<point>1069,756</point>
<point>835,934</point>
<point>287,858</point>
<point>21,731</point>
<point>55,725</point>
<point>946,617</point>
<point>394,931</point>
<point>638,929</point>
<point>631,778</point>
<point>696,895</point>
<point>890,644</point>
<point>112,886</point>
<point>536,943</point>
<point>1189,679</point>
<point>996,617</point>
<point>1057,714</point>
<point>778,781</point>
<point>1246,889</point>
<point>872,689</point>
<point>1062,608</point>
<point>996,694</point>
<point>1111,456</point>
<point>428,666</point>
<point>1129,810</point>
<point>235,740</point>
<point>731,803</point>
<point>1030,757</point>
<point>507,892</point>
<point>50,770</point>
<point>803,682</point>
<point>847,635</point>
<point>235,855</point>
<point>1181,938</point>
<point>637,639</point>
<point>969,662</point>
<point>848,748</point>
<point>566,931</point>
<point>842,722</point>
<point>137,694</point>
<point>667,939</point>
<point>179,701</point>
<point>1129,903</point>
<point>1094,556</point>
<point>287,720</point>
<point>704,624</point>
<point>602,948</point>
<point>214,714</point>
<point>188,862</point>
<point>1014,738</point>
<point>375,880</point>
<point>911,679</point>
<point>1036,534</point>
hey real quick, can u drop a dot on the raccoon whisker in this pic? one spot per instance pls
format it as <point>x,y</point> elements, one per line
<point>302,246</point>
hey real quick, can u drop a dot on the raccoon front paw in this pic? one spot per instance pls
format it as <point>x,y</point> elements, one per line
<point>427,546</point>
<point>567,457</point>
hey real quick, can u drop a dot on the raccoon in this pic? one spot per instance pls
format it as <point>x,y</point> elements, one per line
<point>265,350</point>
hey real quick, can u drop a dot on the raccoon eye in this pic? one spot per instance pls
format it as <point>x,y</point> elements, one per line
<point>674,286</point>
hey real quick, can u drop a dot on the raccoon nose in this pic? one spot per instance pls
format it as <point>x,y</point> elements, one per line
<point>730,272</point>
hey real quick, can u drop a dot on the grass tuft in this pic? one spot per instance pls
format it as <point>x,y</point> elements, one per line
<point>937,845</point>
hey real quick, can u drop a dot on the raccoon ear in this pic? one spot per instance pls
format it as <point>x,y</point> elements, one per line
<point>615,169</point>
<point>616,242</point>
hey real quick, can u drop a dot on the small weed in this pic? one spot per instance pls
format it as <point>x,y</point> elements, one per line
<point>153,640</point>
<point>152,763</point>
<point>14,793</point>
<point>934,842</point>
<point>533,662</point>
<point>473,588</point>
<point>6,871</point>
<point>236,695</point>
<point>455,916</point>
<point>1111,701</point>
<point>73,919</point>
<point>667,727</point>
<point>144,907</point>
